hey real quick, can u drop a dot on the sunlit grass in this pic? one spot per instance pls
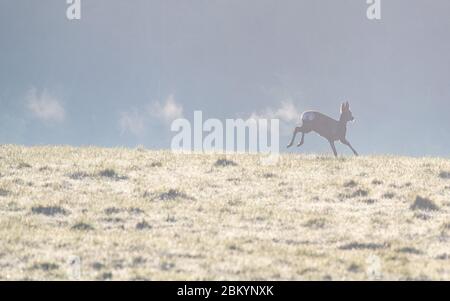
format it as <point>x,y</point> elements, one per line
<point>141,214</point>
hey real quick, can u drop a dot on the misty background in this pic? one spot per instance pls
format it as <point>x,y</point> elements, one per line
<point>122,73</point>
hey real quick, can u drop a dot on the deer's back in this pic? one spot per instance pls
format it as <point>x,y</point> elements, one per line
<point>322,124</point>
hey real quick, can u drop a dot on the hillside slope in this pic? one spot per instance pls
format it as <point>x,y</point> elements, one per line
<point>94,213</point>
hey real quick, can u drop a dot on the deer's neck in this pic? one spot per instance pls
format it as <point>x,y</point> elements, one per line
<point>342,123</point>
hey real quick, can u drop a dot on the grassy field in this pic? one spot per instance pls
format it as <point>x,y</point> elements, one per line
<point>94,213</point>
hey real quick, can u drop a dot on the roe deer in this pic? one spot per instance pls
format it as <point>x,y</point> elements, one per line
<point>325,126</point>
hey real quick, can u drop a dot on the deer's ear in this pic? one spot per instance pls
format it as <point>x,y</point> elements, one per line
<point>342,107</point>
<point>347,106</point>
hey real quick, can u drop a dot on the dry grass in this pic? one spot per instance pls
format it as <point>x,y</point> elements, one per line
<point>139,214</point>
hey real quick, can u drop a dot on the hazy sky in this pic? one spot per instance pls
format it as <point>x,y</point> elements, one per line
<point>118,76</point>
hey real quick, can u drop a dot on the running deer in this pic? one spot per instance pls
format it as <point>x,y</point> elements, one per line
<point>325,126</point>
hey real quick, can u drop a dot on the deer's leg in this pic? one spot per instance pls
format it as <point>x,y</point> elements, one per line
<point>296,130</point>
<point>301,141</point>
<point>345,141</point>
<point>333,147</point>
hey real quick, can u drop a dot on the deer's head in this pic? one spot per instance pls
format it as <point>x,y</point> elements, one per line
<point>346,114</point>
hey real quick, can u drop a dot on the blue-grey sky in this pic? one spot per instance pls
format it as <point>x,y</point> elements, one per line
<point>121,73</point>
